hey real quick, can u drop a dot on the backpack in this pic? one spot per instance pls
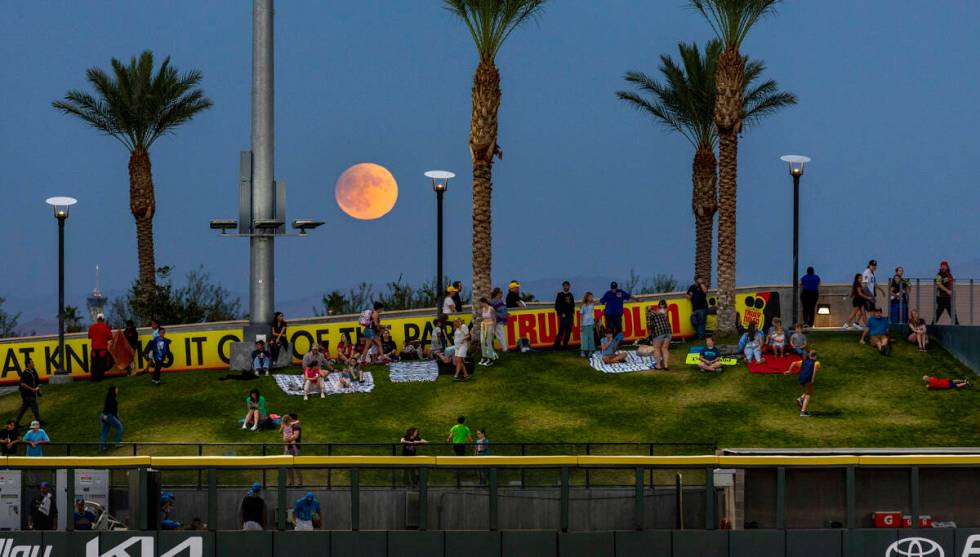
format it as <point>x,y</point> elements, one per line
<point>365,319</point>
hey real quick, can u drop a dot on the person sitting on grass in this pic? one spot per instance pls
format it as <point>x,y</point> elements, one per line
<point>260,358</point>
<point>918,331</point>
<point>609,346</point>
<point>388,347</point>
<point>808,367</point>
<point>411,351</point>
<point>777,338</point>
<point>797,341</point>
<point>937,384</point>
<point>710,357</point>
<point>751,344</point>
<point>313,375</point>
<point>359,353</point>
<point>345,349</point>
<point>255,411</point>
<point>877,329</point>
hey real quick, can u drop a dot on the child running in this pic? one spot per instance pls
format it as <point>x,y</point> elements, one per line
<point>808,367</point>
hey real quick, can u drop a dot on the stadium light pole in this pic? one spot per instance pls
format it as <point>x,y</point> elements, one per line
<point>796,164</point>
<point>440,184</point>
<point>61,206</point>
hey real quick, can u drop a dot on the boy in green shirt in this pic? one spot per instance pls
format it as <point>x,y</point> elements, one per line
<point>460,436</point>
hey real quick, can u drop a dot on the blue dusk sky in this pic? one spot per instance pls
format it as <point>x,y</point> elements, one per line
<point>587,186</point>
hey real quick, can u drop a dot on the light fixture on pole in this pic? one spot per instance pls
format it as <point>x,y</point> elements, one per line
<point>61,206</point>
<point>440,184</point>
<point>796,164</point>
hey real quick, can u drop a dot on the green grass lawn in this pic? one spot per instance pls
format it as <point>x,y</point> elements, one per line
<point>861,400</point>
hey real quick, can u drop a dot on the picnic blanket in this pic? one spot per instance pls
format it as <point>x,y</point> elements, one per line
<point>774,364</point>
<point>634,362</point>
<point>293,384</point>
<point>413,372</point>
<point>694,358</point>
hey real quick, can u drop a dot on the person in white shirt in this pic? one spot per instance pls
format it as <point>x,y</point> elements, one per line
<point>461,339</point>
<point>449,303</point>
<point>870,283</point>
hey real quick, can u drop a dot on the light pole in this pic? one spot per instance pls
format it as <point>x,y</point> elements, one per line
<point>440,183</point>
<point>796,163</point>
<point>61,206</point>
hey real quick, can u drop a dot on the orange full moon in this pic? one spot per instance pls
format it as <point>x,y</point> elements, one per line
<point>366,191</point>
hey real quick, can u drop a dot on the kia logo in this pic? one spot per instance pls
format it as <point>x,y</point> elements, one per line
<point>914,547</point>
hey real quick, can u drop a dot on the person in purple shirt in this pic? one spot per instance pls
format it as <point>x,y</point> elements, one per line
<point>613,300</point>
<point>810,283</point>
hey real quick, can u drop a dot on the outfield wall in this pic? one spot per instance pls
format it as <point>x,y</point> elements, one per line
<point>963,342</point>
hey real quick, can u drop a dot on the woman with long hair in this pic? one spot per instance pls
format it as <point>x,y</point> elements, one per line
<point>918,332</point>
<point>587,323</point>
<point>279,341</point>
<point>658,323</point>
<point>255,411</point>
<point>859,301</point>
<point>110,418</point>
<point>944,293</point>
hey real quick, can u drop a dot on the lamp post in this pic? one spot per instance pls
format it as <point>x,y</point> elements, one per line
<point>61,206</point>
<point>440,183</point>
<point>796,163</point>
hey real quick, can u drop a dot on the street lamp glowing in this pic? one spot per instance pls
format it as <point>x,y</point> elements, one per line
<point>796,163</point>
<point>61,205</point>
<point>440,179</point>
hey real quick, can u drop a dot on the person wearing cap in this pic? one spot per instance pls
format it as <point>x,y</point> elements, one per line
<point>877,329</point>
<point>83,518</point>
<point>99,335</point>
<point>44,511</point>
<point>251,515</point>
<point>458,295</point>
<point>870,284</point>
<point>30,389</point>
<point>306,512</point>
<point>35,439</point>
<point>514,295</point>
<point>449,303</point>
<point>166,509</point>
<point>613,300</point>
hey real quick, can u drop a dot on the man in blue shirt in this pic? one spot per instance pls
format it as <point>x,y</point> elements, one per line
<point>877,329</point>
<point>161,351</point>
<point>613,300</point>
<point>609,346</point>
<point>698,294</point>
<point>306,512</point>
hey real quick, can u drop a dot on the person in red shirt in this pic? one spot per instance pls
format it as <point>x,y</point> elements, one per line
<point>935,383</point>
<point>99,334</point>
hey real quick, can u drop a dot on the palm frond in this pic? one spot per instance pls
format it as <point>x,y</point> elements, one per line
<point>731,20</point>
<point>490,22</point>
<point>761,99</point>
<point>134,105</point>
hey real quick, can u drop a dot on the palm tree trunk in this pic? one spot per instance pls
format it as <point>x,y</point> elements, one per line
<point>483,146</point>
<point>142,203</point>
<point>729,77</point>
<point>704,203</point>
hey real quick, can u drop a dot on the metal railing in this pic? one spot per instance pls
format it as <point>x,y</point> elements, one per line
<point>922,295</point>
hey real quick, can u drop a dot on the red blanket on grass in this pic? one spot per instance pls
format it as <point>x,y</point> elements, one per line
<point>774,364</point>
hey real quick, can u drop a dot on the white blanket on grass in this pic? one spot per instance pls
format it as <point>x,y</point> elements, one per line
<point>416,371</point>
<point>293,384</point>
<point>633,362</point>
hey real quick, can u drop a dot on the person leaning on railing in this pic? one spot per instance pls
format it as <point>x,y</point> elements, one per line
<point>945,283</point>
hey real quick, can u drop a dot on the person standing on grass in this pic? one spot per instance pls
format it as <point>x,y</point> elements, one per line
<point>460,436</point>
<point>461,342</point>
<point>30,389</point>
<point>898,296</point>
<point>278,341</point>
<point>458,295</point>
<point>35,439</point>
<point>660,333</point>
<point>613,300</point>
<point>488,325</point>
<point>306,513</point>
<point>448,302</point>
<point>500,314</point>
<point>514,295</point>
<point>9,439</point>
<point>810,293</point>
<point>877,330</point>
<point>565,308</point>
<point>99,335</point>
<point>148,350</point>
<point>410,445</point>
<point>110,418</point>
<point>944,294</point>
<point>808,367</point>
<point>859,301</point>
<point>587,322</point>
<point>251,514</point>
<point>698,294</point>
<point>371,321</point>
<point>161,351</point>
<point>710,357</point>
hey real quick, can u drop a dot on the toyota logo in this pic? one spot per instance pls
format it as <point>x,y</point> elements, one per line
<point>914,547</point>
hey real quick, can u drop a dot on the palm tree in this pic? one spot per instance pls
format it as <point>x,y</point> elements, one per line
<point>685,103</point>
<point>137,107</point>
<point>731,21</point>
<point>490,22</point>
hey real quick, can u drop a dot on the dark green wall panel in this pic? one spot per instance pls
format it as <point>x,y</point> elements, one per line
<point>235,543</point>
<point>757,543</point>
<point>964,535</point>
<point>358,544</point>
<point>302,543</point>
<point>814,543</point>
<point>67,544</point>
<point>586,544</point>
<point>472,544</point>
<point>700,543</point>
<point>649,543</point>
<point>414,544</point>
<point>529,544</point>
<point>868,542</point>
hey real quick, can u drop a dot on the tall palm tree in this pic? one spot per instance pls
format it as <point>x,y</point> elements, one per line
<point>137,106</point>
<point>685,102</point>
<point>731,21</point>
<point>489,22</point>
